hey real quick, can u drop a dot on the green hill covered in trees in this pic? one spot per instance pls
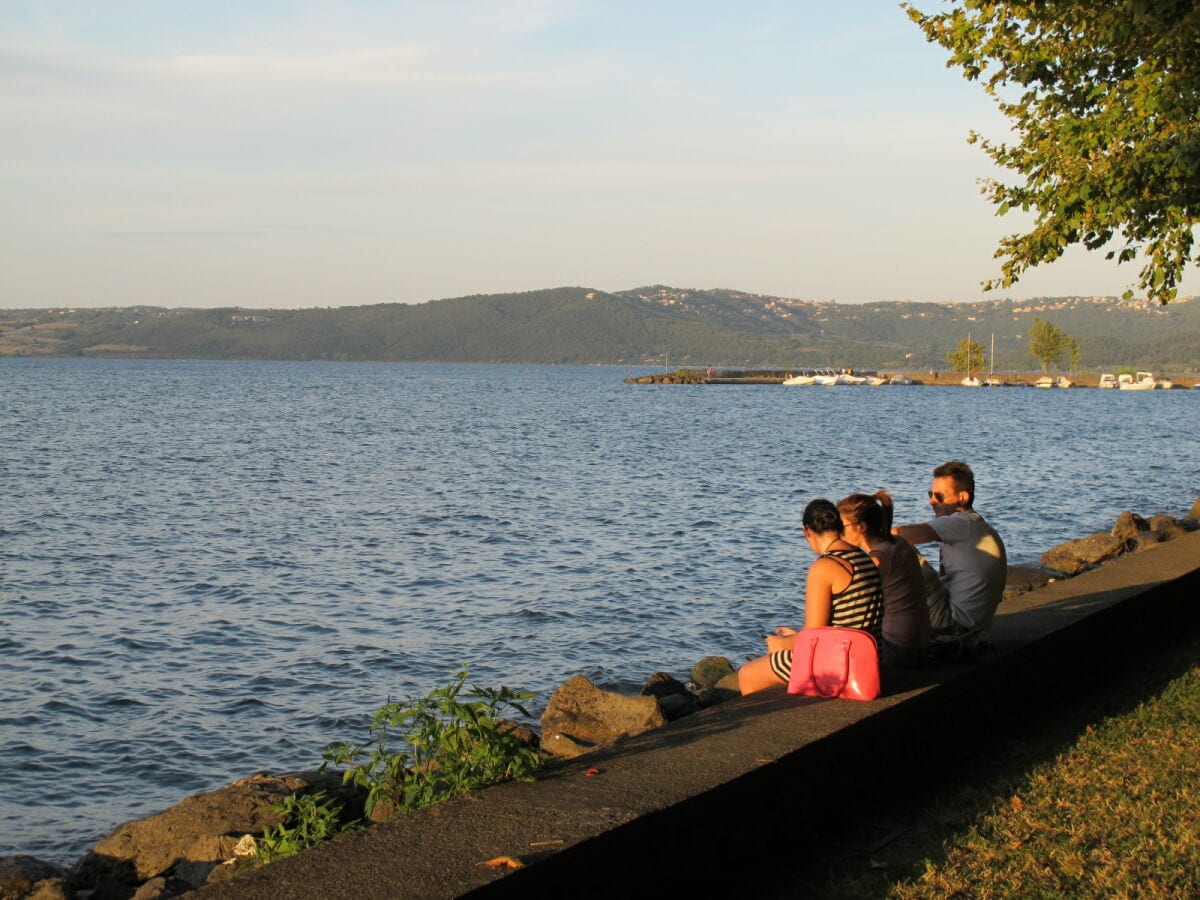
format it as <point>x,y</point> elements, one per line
<point>653,324</point>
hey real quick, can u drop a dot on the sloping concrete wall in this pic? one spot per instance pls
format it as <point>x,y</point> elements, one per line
<point>660,812</point>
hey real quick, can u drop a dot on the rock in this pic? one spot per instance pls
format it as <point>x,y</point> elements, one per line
<point>581,717</point>
<point>709,671</point>
<point>725,689</point>
<point>1128,526</point>
<point>1194,512</point>
<point>51,889</point>
<point>1143,541</point>
<point>674,699</point>
<point>522,733</point>
<point>1023,579</point>
<point>190,838</point>
<point>1075,556</point>
<point>160,888</point>
<point>224,872</point>
<point>1167,528</point>
<point>21,875</point>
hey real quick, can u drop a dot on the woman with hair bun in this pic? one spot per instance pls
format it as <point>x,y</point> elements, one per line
<point>843,589</point>
<point>867,524</point>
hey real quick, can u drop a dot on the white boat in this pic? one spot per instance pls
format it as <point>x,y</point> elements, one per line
<point>1143,382</point>
<point>798,380</point>
<point>875,380</point>
<point>972,381</point>
<point>847,378</point>
<point>901,379</point>
<point>1107,380</point>
<point>992,381</point>
<point>825,378</point>
<point>1056,382</point>
<point>1164,383</point>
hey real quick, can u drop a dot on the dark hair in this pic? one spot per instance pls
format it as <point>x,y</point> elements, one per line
<point>964,478</point>
<point>822,517</point>
<point>872,512</point>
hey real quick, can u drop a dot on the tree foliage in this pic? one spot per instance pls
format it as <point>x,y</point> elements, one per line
<point>967,357</point>
<point>1103,98</point>
<point>1048,344</point>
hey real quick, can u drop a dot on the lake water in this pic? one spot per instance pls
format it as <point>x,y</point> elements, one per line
<point>212,568</point>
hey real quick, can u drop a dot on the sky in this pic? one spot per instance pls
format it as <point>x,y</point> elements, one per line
<point>276,154</point>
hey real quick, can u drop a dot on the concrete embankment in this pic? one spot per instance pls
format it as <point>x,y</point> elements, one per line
<point>704,801</point>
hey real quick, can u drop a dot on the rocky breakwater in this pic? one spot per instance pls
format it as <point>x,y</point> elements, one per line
<point>210,836</point>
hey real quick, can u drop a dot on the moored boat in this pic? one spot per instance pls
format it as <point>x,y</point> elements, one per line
<point>1144,381</point>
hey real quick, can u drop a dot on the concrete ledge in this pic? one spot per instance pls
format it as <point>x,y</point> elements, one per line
<point>662,810</point>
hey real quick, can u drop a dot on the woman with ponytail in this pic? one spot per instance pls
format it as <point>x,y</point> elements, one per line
<point>867,524</point>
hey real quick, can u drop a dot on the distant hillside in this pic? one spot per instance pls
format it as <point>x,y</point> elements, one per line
<point>646,325</point>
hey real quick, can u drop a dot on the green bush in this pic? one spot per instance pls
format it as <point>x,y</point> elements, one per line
<point>451,742</point>
<point>308,820</point>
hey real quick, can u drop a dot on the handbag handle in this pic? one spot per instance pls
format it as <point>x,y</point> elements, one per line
<point>812,655</point>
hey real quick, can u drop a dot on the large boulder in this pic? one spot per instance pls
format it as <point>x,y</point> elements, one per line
<point>581,717</point>
<point>23,876</point>
<point>1168,528</point>
<point>1084,553</point>
<point>709,671</point>
<point>1128,526</point>
<point>191,838</point>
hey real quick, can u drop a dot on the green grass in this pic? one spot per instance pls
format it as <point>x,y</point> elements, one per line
<point>1088,796</point>
<point>1117,814</point>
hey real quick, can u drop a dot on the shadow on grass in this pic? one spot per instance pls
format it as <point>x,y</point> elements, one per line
<point>886,837</point>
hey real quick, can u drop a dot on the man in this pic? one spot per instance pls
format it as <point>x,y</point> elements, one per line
<point>974,564</point>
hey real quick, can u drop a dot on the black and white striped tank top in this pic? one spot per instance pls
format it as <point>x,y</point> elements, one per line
<point>860,605</point>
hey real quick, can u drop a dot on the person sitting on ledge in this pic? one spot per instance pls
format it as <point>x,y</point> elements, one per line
<point>974,564</point>
<point>843,589</point>
<point>867,524</point>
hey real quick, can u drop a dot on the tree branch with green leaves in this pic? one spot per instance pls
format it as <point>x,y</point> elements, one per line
<point>1103,98</point>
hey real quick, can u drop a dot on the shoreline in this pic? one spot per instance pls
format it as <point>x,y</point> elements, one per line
<point>918,378</point>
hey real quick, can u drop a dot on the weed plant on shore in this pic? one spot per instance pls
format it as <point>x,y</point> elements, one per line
<point>427,749</point>
<point>306,820</point>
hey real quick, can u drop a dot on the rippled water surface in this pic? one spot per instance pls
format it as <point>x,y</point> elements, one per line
<point>211,568</point>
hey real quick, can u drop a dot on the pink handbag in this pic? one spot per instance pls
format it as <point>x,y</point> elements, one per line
<point>835,662</point>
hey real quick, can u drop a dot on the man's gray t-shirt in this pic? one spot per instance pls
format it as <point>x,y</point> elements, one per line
<point>974,567</point>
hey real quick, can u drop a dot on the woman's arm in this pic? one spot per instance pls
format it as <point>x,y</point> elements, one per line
<point>782,638</point>
<point>883,562</point>
<point>825,578</point>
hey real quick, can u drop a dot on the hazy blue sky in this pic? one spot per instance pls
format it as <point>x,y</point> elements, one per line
<point>286,154</point>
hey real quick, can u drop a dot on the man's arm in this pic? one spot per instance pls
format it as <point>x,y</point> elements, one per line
<point>916,534</point>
